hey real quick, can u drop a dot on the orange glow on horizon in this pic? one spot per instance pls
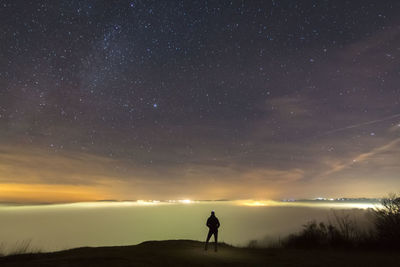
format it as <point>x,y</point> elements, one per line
<point>49,193</point>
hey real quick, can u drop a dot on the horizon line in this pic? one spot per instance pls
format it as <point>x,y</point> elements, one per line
<point>185,201</point>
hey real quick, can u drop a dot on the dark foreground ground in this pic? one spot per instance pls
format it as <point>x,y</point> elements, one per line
<point>191,253</point>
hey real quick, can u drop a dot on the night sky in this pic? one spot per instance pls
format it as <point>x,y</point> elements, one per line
<point>198,99</point>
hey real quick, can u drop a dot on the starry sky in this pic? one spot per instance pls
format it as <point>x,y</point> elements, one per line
<point>198,99</point>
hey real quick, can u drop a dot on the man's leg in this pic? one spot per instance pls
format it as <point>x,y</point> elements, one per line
<point>208,239</point>
<point>216,240</point>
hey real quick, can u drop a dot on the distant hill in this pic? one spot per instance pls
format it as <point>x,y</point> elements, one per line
<point>191,253</point>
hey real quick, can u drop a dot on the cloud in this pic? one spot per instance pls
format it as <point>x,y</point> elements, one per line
<point>33,165</point>
<point>288,106</point>
<point>273,176</point>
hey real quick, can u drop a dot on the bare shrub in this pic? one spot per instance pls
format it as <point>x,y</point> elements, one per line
<point>387,221</point>
<point>341,230</point>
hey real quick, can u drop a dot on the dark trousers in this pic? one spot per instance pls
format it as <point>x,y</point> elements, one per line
<point>210,233</point>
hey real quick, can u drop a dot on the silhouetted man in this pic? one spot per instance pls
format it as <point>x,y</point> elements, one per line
<point>213,225</point>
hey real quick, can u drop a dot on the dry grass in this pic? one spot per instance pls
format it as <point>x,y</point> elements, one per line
<point>18,248</point>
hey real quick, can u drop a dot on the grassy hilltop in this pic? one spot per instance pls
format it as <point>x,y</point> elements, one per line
<point>191,253</point>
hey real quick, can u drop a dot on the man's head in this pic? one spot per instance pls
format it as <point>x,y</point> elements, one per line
<point>213,213</point>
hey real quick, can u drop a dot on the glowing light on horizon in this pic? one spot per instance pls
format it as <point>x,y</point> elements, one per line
<point>186,201</point>
<point>249,203</point>
<point>147,202</point>
<point>256,203</point>
<point>326,204</point>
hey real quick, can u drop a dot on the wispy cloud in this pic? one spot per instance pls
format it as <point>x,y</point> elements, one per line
<point>362,124</point>
<point>337,167</point>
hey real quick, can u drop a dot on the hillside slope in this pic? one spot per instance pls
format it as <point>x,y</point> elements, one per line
<point>191,253</point>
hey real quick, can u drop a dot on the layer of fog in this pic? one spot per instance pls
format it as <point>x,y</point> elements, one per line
<point>57,227</point>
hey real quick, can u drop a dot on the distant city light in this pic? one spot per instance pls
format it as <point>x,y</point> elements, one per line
<point>185,201</point>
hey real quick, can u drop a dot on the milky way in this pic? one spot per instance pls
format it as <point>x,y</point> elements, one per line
<point>198,99</point>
